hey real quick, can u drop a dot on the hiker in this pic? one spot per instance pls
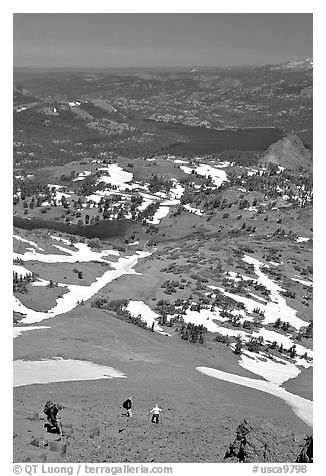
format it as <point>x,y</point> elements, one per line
<point>128,406</point>
<point>51,411</point>
<point>156,412</point>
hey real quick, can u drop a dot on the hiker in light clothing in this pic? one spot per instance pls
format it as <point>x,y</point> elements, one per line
<point>156,412</point>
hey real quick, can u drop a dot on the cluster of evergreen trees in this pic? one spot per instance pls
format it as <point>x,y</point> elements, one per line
<point>171,286</point>
<point>279,324</point>
<point>157,183</point>
<point>222,338</point>
<point>193,333</point>
<point>288,293</point>
<point>20,282</point>
<point>118,306</point>
<point>255,344</point>
<point>258,311</point>
<point>164,306</point>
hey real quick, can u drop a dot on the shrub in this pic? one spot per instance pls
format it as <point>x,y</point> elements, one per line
<point>193,333</point>
<point>238,346</point>
<point>95,243</point>
<point>221,338</point>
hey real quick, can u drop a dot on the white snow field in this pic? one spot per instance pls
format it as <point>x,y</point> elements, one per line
<point>284,339</point>
<point>218,176</point>
<point>137,308</point>
<point>19,238</point>
<point>20,270</point>
<point>58,196</point>
<point>83,254</point>
<point>250,304</point>
<point>278,307</point>
<point>172,198</point>
<point>209,319</point>
<point>302,407</point>
<point>63,240</point>
<point>187,170</point>
<point>117,176</point>
<point>160,213</point>
<point>17,330</point>
<point>82,175</point>
<point>205,317</point>
<point>191,209</point>
<point>60,370</point>
<point>77,293</point>
<point>177,191</point>
<point>275,371</point>
<point>303,281</point>
<point>301,239</point>
<point>145,203</point>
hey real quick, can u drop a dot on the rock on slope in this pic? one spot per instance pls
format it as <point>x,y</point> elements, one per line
<point>289,152</point>
<point>260,440</point>
<point>306,454</point>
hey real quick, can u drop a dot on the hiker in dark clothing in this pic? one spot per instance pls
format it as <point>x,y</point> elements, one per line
<point>51,411</point>
<point>128,406</point>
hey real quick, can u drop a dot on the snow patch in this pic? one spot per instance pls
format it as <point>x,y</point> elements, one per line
<point>278,307</point>
<point>21,271</point>
<point>83,254</point>
<point>32,243</point>
<point>60,370</point>
<point>77,293</point>
<point>301,406</point>
<point>218,176</point>
<point>139,308</point>
<point>18,330</point>
<point>273,370</point>
<point>160,213</point>
<point>193,210</point>
<point>117,176</point>
<point>301,239</point>
<point>303,281</point>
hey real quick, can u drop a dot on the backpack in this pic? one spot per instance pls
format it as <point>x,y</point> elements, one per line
<point>48,406</point>
<point>127,404</point>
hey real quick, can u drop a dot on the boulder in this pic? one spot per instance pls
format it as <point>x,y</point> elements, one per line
<point>306,453</point>
<point>261,440</point>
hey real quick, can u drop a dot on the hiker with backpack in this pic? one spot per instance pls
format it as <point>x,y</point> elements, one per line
<point>156,413</point>
<point>127,405</point>
<point>51,411</point>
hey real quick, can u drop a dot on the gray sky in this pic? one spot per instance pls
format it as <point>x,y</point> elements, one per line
<point>160,39</point>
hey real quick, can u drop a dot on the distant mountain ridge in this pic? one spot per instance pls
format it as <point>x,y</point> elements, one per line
<point>304,65</point>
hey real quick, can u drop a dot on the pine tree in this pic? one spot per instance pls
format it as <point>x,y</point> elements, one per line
<point>238,346</point>
<point>277,324</point>
<point>293,351</point>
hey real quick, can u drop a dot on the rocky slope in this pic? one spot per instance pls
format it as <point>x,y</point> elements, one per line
<point>289,152</point>
<point>259,440</point>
